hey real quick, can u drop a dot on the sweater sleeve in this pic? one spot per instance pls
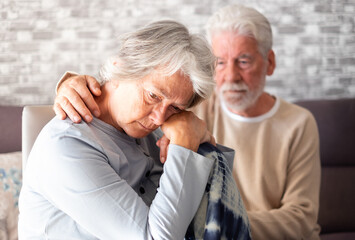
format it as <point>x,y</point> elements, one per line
<point>65,76</point>
<point>180,192</point>
<point>296,218</point>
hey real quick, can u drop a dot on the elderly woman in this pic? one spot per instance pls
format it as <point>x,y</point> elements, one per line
<point>104,180</point>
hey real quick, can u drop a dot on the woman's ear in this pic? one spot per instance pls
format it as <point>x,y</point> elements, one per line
<point>114,83</point>
<point>271,61</point>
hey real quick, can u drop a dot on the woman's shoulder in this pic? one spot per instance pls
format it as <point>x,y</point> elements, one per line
<point>60,128</point>
<point>65,134</point>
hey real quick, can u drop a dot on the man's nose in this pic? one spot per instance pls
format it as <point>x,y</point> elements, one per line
<point>232,73</point>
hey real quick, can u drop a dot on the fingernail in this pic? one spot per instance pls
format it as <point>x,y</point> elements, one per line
<point>76,119</point>
<point>163,159</point>
<point>96,113</point>
<point>88,118</point>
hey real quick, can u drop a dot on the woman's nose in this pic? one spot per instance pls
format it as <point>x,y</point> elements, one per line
<point>158,115</point>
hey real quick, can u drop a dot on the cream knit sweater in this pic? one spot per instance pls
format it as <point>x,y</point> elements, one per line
<point>276,166</point>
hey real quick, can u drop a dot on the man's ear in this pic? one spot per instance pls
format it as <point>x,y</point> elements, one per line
<point>271,61</point>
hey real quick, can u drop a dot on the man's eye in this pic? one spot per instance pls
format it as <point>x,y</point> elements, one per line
<point>244,63</point>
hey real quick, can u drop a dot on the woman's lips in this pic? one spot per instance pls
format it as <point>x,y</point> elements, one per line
<point>147,128</point>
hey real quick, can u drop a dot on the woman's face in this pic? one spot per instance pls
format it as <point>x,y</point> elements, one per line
<point>139,107</point>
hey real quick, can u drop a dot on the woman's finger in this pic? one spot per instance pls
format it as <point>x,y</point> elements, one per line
<point>163,145</point>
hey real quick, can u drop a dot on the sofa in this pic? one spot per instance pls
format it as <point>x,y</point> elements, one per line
<point>336,123</point>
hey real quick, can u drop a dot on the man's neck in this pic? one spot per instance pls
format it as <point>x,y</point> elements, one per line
<point>262,105</point>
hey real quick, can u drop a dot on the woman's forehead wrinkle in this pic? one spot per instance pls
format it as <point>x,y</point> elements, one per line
<point>168,96</point>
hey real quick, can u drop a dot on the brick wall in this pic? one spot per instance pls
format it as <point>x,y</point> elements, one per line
<point>314,42</point>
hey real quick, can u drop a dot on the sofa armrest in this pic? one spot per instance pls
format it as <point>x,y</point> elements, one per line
<point>33,120</point>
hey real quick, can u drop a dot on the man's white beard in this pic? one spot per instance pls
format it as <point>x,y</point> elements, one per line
<point>239,101</point>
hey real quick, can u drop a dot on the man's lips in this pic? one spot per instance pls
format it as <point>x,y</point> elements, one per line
<point>235,91</point>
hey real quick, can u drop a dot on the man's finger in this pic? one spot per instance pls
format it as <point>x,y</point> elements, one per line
<point>79,95</point>
<point>72,113</point>
<point>88,98</point>
<point>59,111</point>
<point>93,85</point>
<point>75,102</point>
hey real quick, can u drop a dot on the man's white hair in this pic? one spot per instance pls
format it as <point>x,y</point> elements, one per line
<point>166,46</point>
<point>242,20</point>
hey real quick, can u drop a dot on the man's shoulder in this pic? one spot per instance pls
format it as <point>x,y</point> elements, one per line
<point>293,108</point>
<point>207,107</point>
<point>293,113</point>
<point>209,102</point>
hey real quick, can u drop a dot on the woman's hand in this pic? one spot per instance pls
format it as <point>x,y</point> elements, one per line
<point>75,98</point>
<point>163,144</point>
<point>184,129</point>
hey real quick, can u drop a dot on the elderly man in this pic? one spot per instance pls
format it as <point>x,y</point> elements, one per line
<point>277,165</point>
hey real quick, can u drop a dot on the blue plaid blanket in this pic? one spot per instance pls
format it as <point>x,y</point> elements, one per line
<point>221,214</point>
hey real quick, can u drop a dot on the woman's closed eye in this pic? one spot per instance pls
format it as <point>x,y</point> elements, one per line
<point>153,97</point>
<point>175,109</point>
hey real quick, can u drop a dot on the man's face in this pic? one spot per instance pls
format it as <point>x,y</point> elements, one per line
<point>240,70</point>
<point>139,107</point>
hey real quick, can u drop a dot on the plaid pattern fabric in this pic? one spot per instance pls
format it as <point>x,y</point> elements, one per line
<point>221,214</point>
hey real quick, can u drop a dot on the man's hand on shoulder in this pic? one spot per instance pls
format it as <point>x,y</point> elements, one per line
<point>75,98</point>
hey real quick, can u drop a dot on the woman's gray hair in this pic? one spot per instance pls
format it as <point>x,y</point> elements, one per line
<point>242,20</point>
<point>166,46</point>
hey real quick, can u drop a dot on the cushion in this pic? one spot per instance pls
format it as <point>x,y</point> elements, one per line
<point>10,186</point>
<point>10,128</point>
<point>338,236</point>
<point>8,216</point>
<point>337,198</point>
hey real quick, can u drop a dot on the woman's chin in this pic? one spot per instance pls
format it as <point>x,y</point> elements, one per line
<point>138,133</point>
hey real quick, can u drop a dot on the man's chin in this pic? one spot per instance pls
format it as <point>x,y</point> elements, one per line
<point>241,102</point>
<point>236,104</point>
<point>233,101</point>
